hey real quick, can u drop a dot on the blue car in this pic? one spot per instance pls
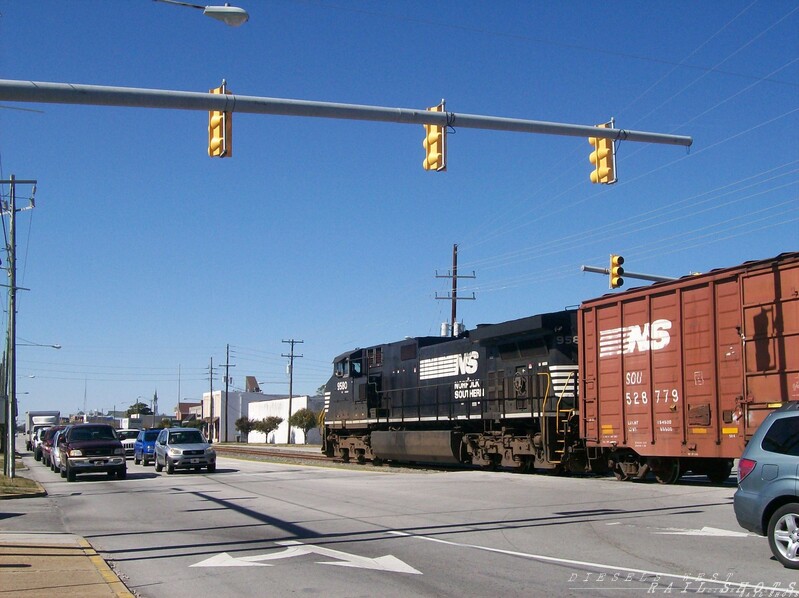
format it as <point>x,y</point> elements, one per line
<point>767,499</point>
<point>144,447</point>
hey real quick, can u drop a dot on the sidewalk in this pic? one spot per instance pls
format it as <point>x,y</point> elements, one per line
<point>36,564</point>
<point>63,565</point>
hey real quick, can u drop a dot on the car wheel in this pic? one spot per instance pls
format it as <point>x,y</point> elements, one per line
<point>136,460</point>
<point>62,472</point>
<point>170,467</point>
<point>122,473</point>
<point>37,455</point>
<point>212,468</point>
<point>70,475</point>
<point>783,535</point>
<point>158,466</point>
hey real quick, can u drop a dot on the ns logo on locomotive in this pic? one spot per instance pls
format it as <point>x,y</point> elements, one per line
<point>663,379</point>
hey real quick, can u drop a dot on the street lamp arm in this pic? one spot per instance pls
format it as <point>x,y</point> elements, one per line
<point>189,4</point>
<point>229,15</point>
<point>28,343</point>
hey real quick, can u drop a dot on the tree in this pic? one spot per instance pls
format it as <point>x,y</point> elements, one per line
<point>269,424</point>
<point>245,425</point>
<point>305,419</point>
<point>165,423</point>
<point>140,408</point>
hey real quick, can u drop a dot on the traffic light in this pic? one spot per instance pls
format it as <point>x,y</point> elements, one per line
<point>220,130</point>
<point>616,271</point>
<point>603,158</point>
<point>435,144</point>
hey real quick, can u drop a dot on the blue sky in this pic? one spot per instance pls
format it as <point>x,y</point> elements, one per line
<point>144,257</point>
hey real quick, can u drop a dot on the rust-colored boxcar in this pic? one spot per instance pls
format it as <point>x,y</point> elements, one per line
<point>677,376</point>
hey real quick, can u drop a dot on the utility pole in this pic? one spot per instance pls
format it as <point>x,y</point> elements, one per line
<point>11,339</point>
<point>291,357</point>
<point>228,365</point>
<point>453,296</point>
<point>211,379</point>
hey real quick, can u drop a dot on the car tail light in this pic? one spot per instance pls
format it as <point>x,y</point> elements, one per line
<point>745,467</point>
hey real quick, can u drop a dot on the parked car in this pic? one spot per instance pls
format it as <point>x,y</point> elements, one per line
<point>144,446</point>
<point>47,443</point>
<point>767,499</point>
<point>128,438</point>
<point>37,443</point>
<point>54,450</point>
<point>91,448</point>
<point>183,448</point>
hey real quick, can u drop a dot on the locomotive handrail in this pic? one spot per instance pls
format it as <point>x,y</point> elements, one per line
<point>557,412</point>
<point>542,414</point>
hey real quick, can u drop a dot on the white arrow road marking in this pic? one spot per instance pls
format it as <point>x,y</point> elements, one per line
<point>344,559</point>
<point>225,560</point>
<point>705,531</point>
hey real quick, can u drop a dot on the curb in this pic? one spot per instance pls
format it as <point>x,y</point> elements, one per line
<point>38,492</point>
<point>108,574</point>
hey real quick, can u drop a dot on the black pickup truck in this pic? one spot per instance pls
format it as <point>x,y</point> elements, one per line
<point>91,448</point>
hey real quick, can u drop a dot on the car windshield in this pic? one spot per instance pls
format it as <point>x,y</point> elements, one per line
<point>92,433</point>
<point>186,437</point>
<point>150,435</point>
<point>127,434</point>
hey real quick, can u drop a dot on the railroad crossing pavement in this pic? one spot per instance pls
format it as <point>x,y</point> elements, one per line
<point>37,564</point>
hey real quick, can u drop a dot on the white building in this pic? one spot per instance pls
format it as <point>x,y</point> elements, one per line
<point>224,416</point>
<point>279,407</point>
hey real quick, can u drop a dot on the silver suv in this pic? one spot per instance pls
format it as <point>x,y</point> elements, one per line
<point>183,448</point>
<point>767,499</point>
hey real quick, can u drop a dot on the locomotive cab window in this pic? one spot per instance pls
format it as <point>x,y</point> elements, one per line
<point>340,369</point>
<point>355,368</point>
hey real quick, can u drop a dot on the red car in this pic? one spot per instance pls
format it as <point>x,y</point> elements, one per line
<point>47,443</point>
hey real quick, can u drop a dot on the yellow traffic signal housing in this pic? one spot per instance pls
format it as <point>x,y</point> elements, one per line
<point>435,144</point>
<point>603,158</point>
<point>616,271</point>
<point>220,130</point>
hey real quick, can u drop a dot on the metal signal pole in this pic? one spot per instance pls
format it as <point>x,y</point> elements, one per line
<point>100,95</point>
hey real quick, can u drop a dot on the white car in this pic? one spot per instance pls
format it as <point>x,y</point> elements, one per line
<point>54,452</point>
<point>128,438</point>
<point>37,442</point>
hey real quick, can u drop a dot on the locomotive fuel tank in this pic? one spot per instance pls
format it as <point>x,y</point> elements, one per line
<point>429,446</point>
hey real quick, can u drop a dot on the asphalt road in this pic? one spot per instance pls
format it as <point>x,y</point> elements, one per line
<point>268,529</point>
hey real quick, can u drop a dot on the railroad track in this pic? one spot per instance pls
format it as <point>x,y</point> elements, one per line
<point>272,453</point>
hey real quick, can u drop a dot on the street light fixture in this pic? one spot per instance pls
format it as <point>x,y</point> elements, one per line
<point>229,15</point>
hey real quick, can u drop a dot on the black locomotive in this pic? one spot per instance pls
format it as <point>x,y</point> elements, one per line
<point>499,395</point>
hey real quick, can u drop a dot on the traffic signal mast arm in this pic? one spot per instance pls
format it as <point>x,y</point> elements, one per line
<point>628,274</point>
<point>98,95</point>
